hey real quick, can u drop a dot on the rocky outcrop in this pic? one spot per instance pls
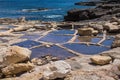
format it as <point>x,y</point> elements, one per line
<point>89,75</point>
<point>87,31</point>
<point>101,60</point>
<point>100,11</point>
<point>111,27</point>
<point>50,71</point>
<point>13,54</point>
<point>14,69</point>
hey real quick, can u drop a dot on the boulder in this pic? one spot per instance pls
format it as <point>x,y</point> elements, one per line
<point>87,31</point>
<point>110,27</point>
<point>14,69</point>
<point>58,69</point>
<point>114,53</point>
<point>13,54</point>
<point>116,42</point>
<point>101,60</point>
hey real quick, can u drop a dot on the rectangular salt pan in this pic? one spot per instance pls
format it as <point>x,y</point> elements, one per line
<point>55,38</point>
<point>54,51</point>
<point>84,49</point>
<point>27,43</point>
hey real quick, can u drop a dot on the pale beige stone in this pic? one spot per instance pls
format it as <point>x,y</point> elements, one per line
<point>14,69</point>
<point>100,60</point>
<point>13,54</point>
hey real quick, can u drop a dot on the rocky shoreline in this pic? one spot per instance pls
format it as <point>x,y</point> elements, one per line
<point>104,10</point>
<point>20,40</point>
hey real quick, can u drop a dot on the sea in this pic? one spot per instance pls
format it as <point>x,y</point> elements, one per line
<point>45,10</point>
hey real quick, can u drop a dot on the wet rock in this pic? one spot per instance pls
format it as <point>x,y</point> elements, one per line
<point>13,54</point>
<point>92,3</point>
<point>14,69</point>
<point>101,60</point>
<point>77,15</point>
<point>111,28</point>
<point>87,31</point>
<point>58,69</point>
<point>114,53</point>
<point>116,42</point>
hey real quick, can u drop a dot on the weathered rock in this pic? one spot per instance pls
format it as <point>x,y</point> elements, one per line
<point>58,69</point>
<point>37,61</point>
<point>8,20</point>
<point>111,28</point>
<point>101,60</point>
<point>116,42</point>
<point>114,53</point>
<point>13,54</point>
<point>87,31</point>
<point>14,69</point>
<point>89,75</point>
<point>1,74</point>
<point>96,27</point>
<point>115,19</point>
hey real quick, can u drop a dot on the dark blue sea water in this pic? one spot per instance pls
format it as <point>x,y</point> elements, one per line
<point>56,9</point>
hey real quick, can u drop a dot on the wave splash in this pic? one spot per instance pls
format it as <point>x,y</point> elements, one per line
<point>39,10</point>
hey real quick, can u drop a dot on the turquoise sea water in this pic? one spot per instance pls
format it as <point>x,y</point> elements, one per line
<point>56,9</point>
